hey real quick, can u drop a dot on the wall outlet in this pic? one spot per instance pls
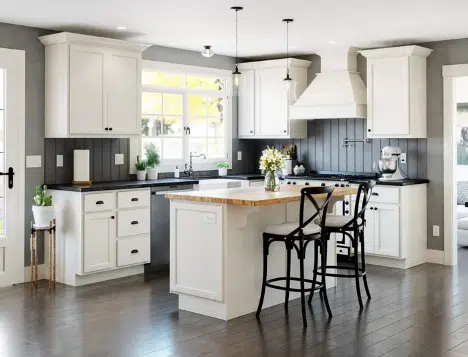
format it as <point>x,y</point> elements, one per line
<point>403,158</point>
<point>119,159</point>
<point>239,156</point>
<point>33,161</point>
<point>209,218</point>
<point>435,231</point>
<point>59,160</point>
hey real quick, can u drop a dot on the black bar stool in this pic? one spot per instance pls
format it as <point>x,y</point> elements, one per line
<point>355,225</point>
<point>297,235</point>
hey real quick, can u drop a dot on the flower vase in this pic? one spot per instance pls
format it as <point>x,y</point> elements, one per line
<point>272,182</point>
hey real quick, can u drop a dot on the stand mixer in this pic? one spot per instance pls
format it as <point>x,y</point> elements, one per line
<point>389,165</point>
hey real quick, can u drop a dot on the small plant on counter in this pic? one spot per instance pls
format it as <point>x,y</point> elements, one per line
<point>43,210</point>
<point>222,168</point>
<point>271,163</point>
<point>152,160</point>
<point>141,166</point>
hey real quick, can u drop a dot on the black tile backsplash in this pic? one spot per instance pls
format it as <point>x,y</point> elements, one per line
<point>101,155</point>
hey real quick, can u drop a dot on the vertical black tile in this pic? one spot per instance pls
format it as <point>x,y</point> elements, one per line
<point>319,145</point>
<point>49,156</point>
<point>422,158</point>
<point>97,144</point>
<point>60,146</point>
<point>359,147</point>
<point>326,145</point>
<point>68,159</point>
<point>403,144</point>
<point>89,145</point>
<point>335,145</point>
<point>342,151</point>
<point>115,145</point>
<point>115,169</point>
<point>79,144</point>
<point>49,176</point>
<point>351,150</point>
<point>106,165</point>
<point>412,158</point>
<point>106,144</point>
<point>376,147</point>
<point>98,169</point>
<point>311,128</point>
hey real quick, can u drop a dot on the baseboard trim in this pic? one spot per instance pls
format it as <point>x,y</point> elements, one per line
<point>435,256</point>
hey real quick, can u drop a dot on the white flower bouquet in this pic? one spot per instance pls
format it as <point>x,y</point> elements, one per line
<point>271,163</point>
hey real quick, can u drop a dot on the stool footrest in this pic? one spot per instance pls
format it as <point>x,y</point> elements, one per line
<point>318,286</point>
<point>361,271</point>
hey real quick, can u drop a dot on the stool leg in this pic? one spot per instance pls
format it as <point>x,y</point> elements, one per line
<point>31,266</point>
<point>363,262</point>
<point>314,278</point>
<point>36,260</point>
<point>54,237</point>
<point>301,268</point>
<point>288,275</point>
<point>356,266</point>
<point>323,255</point>
<point>265,266</point>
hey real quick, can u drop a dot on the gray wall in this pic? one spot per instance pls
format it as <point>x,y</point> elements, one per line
<point>322,150</point>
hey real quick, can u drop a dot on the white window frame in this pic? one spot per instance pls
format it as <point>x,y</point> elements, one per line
<point>168,165</point>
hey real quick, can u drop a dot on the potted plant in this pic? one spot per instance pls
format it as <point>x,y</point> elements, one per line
<point>222,168</point>
<point>152,160</point>
<point>140,166</point>
<point>43,210</point>
<point>271,163</point>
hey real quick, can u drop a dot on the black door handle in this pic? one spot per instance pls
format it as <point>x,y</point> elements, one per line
<point>375,194</point>
<point>134,222</point>
<point>134,251</point>
<point>99,202</point>
<point>10,174</point>
<point>134,199</point>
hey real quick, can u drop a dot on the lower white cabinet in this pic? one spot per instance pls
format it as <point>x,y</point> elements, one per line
<point>98,241</point>
<point>101,236</point>
<point>382,231</point>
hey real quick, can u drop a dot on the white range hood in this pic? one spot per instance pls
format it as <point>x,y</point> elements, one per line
<point>337,92</point>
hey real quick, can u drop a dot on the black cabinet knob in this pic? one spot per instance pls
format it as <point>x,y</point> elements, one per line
<point>347,185</point>
<point>307,184</point>
<point>106,129</point>
<point>289,182</point>
<point>110,128</point>
<point>371,208</point>
<point>369,130</point>
<point>99,202</point>
<point>346,212</point>
<point>342,185</point>
<point>285,131</point>
<point>323,184</point>
<point>294,182</point>
<point>134,222</point>
<point>112,217</point>
<point>134,199</point>
<point>337,185</point>
<point>346,202</point>
<point>134,251</point>
<point>251,131</point>
<point>375,208</point>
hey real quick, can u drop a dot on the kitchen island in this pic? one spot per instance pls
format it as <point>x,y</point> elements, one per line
<point>216,247</point>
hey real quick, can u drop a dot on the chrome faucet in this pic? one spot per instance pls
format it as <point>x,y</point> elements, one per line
<point>189,172</point>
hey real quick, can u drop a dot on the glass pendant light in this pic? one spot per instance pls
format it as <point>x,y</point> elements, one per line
<point>236,72</point>
<point>288,80</point>
<point>207,52</point>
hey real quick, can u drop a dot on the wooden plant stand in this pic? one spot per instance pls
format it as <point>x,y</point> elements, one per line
<point>52,254</point>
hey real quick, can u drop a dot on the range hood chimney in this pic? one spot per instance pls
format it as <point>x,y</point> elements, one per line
<point>337,92</point>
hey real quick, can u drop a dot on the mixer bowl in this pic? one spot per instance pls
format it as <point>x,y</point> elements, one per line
<point>387,166</point>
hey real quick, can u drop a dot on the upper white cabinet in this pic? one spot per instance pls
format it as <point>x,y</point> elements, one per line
<point>396,92</point>
<point>264,101</point>
<point>93,86</point>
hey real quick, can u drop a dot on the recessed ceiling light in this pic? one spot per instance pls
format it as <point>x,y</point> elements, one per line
<point>331,42</point>
<point>121,28</point>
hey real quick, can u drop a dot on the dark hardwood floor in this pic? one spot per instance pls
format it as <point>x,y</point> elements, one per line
<point>417,312</point>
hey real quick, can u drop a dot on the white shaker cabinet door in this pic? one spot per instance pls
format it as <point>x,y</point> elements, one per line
<point>271,103</point>
<point>246,104</point>
<point>370,231</point>
<point>98,241</point>
<point>388,96</point>
<point>123,93</point>
<point>387,239</point>
<point>87,76</point>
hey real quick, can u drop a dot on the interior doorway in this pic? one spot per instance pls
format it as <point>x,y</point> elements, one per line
<point>12,163</point>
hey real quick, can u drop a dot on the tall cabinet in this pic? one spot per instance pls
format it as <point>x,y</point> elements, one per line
<point>264,102</point>
<point>93,86</point>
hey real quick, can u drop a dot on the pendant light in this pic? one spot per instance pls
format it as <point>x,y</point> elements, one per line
<point>207,52</point>
<point>236,72</point>
<point>288,80</point>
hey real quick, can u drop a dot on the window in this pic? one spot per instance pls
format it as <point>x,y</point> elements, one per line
<point>186,110</point>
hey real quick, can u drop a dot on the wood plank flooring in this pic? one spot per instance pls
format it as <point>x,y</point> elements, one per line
<point>418,312</point>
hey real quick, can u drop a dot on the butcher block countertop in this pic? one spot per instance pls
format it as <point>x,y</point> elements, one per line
<point>251,196</point>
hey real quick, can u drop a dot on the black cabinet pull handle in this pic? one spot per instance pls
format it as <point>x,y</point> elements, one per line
<point>112,217</point>
<point>153,193</point>
<point>371,208</point>
<point>106,129</point>
<point>134,199</point>
<point>110,128</point>
<point>134,222</point>
<point>375,208</point>
<point>134,251</point>
<point>346,211</point>
<point>375,194</point>
<point>99,202</point>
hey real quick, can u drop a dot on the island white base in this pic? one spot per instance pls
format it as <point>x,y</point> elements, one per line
<point>217,258</point>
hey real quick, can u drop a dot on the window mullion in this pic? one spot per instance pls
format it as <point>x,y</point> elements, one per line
<point>185,123</point>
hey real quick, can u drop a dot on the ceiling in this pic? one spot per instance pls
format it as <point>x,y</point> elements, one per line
<point>190,24</point>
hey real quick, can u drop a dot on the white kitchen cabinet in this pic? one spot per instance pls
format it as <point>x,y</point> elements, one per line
<point>93,86</point>
<point>387,229</point>
<point>264,102</point>
<point>98,241</point>
<point>396,92</point>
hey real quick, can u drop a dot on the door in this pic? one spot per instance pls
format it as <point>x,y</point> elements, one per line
<point>123,93</point>
<point>12,149</point>
<point>387,224</point>
<point>271,103</point>
<point>388,104</point>
<point>99,241</point>
<point>246,104</point>
<point>86,90</point>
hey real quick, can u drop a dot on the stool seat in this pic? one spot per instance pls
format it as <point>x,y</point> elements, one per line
<point>284,229</point>
<point>337,221</point>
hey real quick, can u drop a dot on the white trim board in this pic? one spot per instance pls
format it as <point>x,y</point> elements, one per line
<point>435,256</point>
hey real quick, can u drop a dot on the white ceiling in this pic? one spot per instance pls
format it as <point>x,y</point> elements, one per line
<point>190,24</point>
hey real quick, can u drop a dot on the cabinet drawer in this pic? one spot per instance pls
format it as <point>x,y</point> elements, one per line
<point>96,202</point>
<point>385,194</point>
<point>342,250</point>
<point>133,251</point>
<point>133,199</point>
<point>133,222</point>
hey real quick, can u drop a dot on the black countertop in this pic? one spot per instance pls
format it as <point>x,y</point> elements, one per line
<point>405,182</point>
<point>248,177</point>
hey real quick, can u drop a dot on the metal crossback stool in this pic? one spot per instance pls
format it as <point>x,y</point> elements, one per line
<point>52,254</point>
<point>346,225</point>
<point>297,235</point>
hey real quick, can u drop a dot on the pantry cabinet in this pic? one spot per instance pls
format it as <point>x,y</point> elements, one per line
<point>396,92</point>
<point>93,86</point>
<point>264,102</point>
